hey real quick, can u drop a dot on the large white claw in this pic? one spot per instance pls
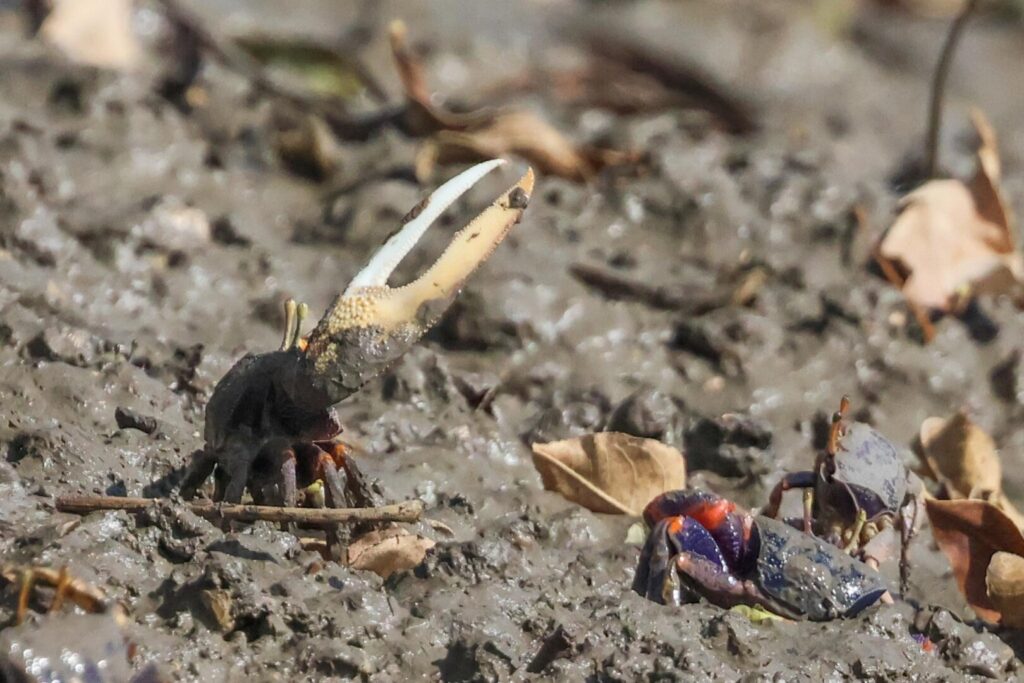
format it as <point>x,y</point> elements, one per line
<point>371,325</point>
<point>387,258</point>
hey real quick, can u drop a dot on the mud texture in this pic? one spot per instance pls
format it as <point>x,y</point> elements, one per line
<point>146,248</point>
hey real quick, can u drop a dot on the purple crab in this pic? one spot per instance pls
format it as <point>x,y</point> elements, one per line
<point>859,494</point>
<point>702,545</point>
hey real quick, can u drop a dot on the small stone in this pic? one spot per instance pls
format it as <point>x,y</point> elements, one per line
<point>127,418</point>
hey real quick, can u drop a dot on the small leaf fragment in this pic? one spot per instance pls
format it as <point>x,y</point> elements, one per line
<point>316,68</point>
<point>94,32</point>
<point>218,603</point>
<point>970,533</point>
<point>636,535</point>
<point>757,614</point>
<point>610,472</point>
<point>386,551</point>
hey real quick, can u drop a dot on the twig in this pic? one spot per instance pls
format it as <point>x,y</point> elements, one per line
<point>931,149</point>
<point>407,511</point>
<point>615,285</point>
<point>737,116</point>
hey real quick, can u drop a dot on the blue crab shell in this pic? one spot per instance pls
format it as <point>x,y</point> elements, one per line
<point>810,578</point>
<point>870,462</point>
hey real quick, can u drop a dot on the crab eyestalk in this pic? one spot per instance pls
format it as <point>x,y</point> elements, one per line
<point>370,325</point>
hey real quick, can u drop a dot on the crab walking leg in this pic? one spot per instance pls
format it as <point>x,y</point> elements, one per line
<point>793,480</point>
<point>653,567</point>
<point>335,499</point>
<point>369,327</point>
<point>199,470</point>
<point>387,258</point>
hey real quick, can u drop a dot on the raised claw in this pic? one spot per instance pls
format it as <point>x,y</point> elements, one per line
<point>370,325</point>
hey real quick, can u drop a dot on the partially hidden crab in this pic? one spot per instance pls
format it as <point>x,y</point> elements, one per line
<point>270,426</point>
<point>859,494</point>
<point>702,545</point>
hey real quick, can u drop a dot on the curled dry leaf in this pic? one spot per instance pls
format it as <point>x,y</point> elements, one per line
<point>954,240</point>
<point>970,533</point>
<point>610,472</point>
<point>386,551</point>
<point>963,457</point>
<point>520,133</point>
<point>94,32</point>
<point>1005,582</point>
<point>486,134</point>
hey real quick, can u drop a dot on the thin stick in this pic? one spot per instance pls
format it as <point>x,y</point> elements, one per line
<point>618,286</point>
<point>407,511</point>
<point>931,149</point>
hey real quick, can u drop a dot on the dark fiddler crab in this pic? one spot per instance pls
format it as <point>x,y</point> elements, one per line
<point>858,495</point>
<point>270,426</point>
<point>702,545</point>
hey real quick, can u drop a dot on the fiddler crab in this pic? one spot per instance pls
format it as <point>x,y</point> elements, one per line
<point>270,427</point>
<point>858,496</point>
<point>702,545</point>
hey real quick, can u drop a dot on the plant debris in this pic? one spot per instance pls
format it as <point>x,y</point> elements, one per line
<point>475,136</point>
<point>953,241</point>
<point>962,457</point>
<point>970,533</point>
<point>94,32</point>
<point>610,472</point>
<point>386,551</point>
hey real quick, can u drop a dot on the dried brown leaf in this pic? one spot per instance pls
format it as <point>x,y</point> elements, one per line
<point>961,456</point>
<point>955,240</point>
<point>610,472</point>
<point>1005,582</point>
<point>970,532</point>
<point>520,133</point>
<point>95,32</point>
<point>386,551</point>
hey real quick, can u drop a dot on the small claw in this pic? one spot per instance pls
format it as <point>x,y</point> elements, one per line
<point>371,325</point>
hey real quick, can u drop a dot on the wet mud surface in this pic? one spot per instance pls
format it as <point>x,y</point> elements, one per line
<point>145,249</point>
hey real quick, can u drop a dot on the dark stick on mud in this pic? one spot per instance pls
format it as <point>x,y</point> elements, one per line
<point>618,286</point>
<point>407,511</point>
<point>931,149</point>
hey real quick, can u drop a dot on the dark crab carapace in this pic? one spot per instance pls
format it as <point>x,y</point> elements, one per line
<point>858,495</point>
<point>270,425</point>
<point>702,545</point>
